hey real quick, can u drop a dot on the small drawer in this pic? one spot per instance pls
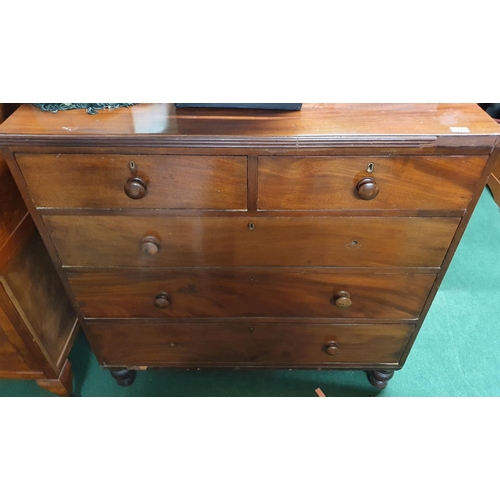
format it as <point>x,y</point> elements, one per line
<point>150,181</point>
<point>203,293</point>
<point>363,182</point>
<point>135,241</point>
<point>120,343</point>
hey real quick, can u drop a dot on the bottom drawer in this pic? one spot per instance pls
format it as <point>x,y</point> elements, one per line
<point>131,344</point>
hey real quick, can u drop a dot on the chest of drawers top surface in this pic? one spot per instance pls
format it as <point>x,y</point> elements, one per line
<point>316,125</point>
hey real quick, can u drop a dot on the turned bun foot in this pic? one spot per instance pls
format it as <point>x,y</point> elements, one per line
<point>123,377</point>
<point>380,378</point>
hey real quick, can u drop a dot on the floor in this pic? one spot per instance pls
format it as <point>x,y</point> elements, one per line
<point>457,352</point>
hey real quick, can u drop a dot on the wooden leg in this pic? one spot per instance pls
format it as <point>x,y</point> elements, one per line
<point>62,386</point>
<point>123,376</point>
<point>380,378</point>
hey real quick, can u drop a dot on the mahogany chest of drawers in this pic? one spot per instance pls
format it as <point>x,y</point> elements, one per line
<point>237,238</point>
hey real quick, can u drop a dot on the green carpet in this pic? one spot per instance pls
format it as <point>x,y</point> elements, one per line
<point>457,352</point>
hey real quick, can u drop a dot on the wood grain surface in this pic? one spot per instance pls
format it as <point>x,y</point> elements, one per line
<point>10,359</point>
<point>36,289</point>
<point>414,183</point>
<point>316,125</point>
<point>97,181</point>
<point>12,207</point>
<point>229,241</point>
<point>250,292</point>
<point>177,344</point>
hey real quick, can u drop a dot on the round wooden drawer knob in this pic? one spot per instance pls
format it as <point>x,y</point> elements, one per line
<point>332,348</point>
<point>150,245</point>
<point>162,300</point>
<point>136,188</point>
<point>367,188</point>
<point>343,299</point>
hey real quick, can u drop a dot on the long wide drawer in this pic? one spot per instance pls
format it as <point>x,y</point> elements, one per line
<point>241,241</point>
<point>411,183</point>
<point>171,181</point>
<point>121,343</point>
<point>198,293</point>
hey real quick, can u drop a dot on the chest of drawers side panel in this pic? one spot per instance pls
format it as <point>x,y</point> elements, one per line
<point>493,161</point>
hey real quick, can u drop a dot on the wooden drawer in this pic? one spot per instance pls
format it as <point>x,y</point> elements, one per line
<point>198,293</point>
<point>271,241</point>
<point>121,343</point>
<point>411,183</point>
<point>98,181</point>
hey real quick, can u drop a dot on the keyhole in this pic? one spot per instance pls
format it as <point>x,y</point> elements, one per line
<point>251,226</point>
<point>370,168</point>
<point>132,167</point>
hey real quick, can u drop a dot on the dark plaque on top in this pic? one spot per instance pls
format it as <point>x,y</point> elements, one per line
<point>279,107</point>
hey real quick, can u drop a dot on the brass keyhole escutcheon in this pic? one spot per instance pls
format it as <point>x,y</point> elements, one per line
<point>133,168</point>
<point>370,168</point>
<point>251,226</point>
